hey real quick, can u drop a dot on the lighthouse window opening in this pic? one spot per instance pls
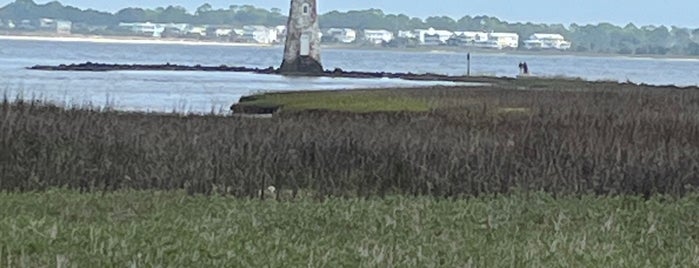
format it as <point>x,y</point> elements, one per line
<point>305,9</point>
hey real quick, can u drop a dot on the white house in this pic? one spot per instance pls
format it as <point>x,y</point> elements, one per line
<point>407,34</point>
<point>182,27</point>
<point>467,38</point>
<point>432,36</point>
<point>343,35</point>
<point>197,30</point>
<point>472,36</point>
<point>145,28</point>
<point>547,41</point>
<point>378,36</point>
<point>64,27</point>
<point>260,34</point>
<point>46,23</point>
<point>239,31</point>
<point>503,40</point>
<point>281,29</point>
<point>223,32</point>
<point>281,32</point>
<point>57,26</point>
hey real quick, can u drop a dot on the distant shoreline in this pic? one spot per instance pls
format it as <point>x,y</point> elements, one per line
<point>436,49</point>
<point>125,40</point>
<point>462,50</point>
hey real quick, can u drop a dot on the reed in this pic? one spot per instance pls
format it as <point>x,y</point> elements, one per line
<point>623,140</point>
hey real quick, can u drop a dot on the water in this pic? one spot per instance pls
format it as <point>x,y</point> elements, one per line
<point>202,92</point>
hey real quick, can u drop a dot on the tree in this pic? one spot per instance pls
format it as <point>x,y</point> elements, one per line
<point>603,37</point>
<point>203,9</point>
<point>693,49</point>
<point>177,14</point>
<point>442,23</point>
<point>659,36</point>
<point>131,15</point>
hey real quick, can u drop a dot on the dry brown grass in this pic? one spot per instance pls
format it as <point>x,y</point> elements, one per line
<point>605,141</point>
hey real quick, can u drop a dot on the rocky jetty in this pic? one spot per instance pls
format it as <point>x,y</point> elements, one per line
<point>336,73</point>
<point>105,67</point>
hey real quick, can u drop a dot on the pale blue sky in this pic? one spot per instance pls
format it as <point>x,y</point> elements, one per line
<point>683,13</point>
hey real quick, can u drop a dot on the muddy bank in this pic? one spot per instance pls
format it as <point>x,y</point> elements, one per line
<point>336,73</point>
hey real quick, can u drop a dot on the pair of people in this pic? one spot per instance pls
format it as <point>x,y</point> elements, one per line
<point>523,68</point>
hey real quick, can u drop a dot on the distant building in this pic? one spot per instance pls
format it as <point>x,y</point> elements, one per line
<point>144,28</point>
<point>180,27</point>
<point>223,32</point>
<point>46,23</point>
<point>26,25</point>
<point>281,29</point>
<point>407,34</point>
<point>281,32</point>
<point>484,40</point>
<point>344,35</point>
<point>64,27</point>
<point>378,36</point>
<point>431,37</point>
<point>199,31</point>
<point>467,38</point>
<point>547,41</point>
<point>503,40</point>
<point>174,29</point>
<point>260,34</point>
<point>432,40</point>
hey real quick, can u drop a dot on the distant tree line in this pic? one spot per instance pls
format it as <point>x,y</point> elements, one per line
<point>233,15</point>
<point>600,38</point>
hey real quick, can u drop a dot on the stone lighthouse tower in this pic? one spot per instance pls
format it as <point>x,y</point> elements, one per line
<point>302,50</point>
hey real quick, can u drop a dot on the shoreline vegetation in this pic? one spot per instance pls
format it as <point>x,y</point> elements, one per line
<point>565,137</point>
<point>378,100</point>
<point>194,42</point>
<point>523,172</point>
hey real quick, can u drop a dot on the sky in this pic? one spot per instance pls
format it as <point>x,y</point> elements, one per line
<point>681,13</point>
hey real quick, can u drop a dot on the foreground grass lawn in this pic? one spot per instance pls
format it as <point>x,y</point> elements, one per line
<point>158,229</point>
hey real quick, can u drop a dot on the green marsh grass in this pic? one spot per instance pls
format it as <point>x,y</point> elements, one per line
<point>173,229</point>
<point>359,101</point>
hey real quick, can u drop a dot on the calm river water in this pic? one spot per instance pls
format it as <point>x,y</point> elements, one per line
<point>202,92</point>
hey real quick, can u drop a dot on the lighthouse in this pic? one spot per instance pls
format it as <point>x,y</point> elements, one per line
<point>302,48</point>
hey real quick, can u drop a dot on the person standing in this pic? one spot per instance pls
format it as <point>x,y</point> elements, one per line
<point>521,68</point>
<point>525,68</point>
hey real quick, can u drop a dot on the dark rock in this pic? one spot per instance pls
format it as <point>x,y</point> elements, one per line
<point>301,66</point>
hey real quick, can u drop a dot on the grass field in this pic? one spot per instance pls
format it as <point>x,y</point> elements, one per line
<point>528,174</point>
<point>172,229</point>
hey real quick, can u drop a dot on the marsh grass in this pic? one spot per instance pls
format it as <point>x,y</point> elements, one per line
<point>591,139</point>
<point>359,101</point>
<point>168,229</point>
